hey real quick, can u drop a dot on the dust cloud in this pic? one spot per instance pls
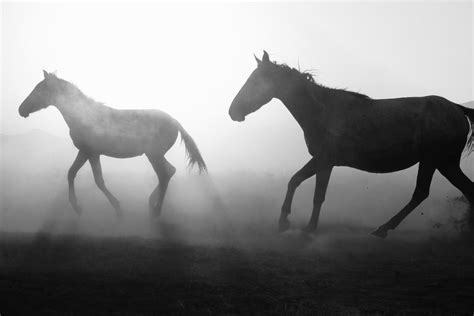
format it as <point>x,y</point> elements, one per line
<point>215,249</point>
<point>226,208</point>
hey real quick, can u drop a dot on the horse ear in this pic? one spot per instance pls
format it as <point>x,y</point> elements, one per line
<point>45,74</point>
<point>265,57</point>
<point>258,60</point>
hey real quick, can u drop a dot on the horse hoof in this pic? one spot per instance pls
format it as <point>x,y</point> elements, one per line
<point>78,210</point>
<point>381,232</point>
<point>310,229</point>
<point>284,225</point>
<point>154,215</point>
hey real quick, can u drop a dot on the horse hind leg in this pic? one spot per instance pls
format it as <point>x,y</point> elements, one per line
<point>99,180</point>
<point>164,171</point>
<point>80,160</point>
<point>422,190</point>
<point>454,174</point>
<point>322,181</point>
<point>153,199</point>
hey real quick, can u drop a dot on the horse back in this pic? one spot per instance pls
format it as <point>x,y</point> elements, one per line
<point>392,134</point>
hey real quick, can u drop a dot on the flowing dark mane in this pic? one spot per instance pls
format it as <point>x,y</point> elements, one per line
<point>309,78</point>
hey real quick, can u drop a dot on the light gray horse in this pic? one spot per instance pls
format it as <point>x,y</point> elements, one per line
<point>344,128</point>
<point>97,130</point>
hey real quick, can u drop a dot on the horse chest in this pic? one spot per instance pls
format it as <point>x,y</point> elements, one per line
<point>319,144</point>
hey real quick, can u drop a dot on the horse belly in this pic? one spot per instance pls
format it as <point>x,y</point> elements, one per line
<point>124,146</point>
<point>384,159</point>
<point>381,165</point>
<point>127,133</point>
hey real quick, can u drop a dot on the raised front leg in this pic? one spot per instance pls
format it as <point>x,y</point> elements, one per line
<point>322,180</point>
<point>304,173</point>
<point>80,160</point>
<point>422,190</point>
<point>99,180</point>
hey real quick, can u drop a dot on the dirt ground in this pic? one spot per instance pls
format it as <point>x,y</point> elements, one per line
<point>339,271</point>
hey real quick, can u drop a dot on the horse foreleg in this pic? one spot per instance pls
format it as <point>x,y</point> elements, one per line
<point>99,180</point>
<point>164,170</point>
<point>80,160</point>
<point>422,190</point>
<point>322,181</point>
<point>304,173</point>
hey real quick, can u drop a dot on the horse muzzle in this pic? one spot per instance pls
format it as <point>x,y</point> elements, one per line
<point>238,119</point>
<point>23,113</point>
<point>235,116</point>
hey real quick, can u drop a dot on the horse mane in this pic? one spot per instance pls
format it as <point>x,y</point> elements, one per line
<point>309,78</point>
<point>69,86</point>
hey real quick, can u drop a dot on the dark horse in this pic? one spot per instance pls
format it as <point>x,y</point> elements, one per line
<point>97,130</point>
<point>343,128</point>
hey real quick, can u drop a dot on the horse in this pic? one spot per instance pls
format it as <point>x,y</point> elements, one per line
<point>97,129</point>
<point>345,128</point>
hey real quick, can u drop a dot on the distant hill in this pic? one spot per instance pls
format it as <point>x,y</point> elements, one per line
<point>32,140</point>
<point>38,152</point>
<point>35,151</point>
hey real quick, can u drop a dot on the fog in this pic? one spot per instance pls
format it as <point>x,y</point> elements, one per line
<point>190,61</point>
<point>219,207</point>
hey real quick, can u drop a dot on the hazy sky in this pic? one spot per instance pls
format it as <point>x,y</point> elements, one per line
<point>191,59</point>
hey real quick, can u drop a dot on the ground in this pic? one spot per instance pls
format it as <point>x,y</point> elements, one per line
<point>345,272</point>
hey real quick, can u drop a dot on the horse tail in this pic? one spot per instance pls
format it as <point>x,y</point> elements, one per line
<point>470,136</point>
<point>192,151</point>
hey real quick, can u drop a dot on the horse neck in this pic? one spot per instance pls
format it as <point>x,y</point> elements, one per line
<point>313,106</point>
<point>78,111</point>
<point>300,101</point>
